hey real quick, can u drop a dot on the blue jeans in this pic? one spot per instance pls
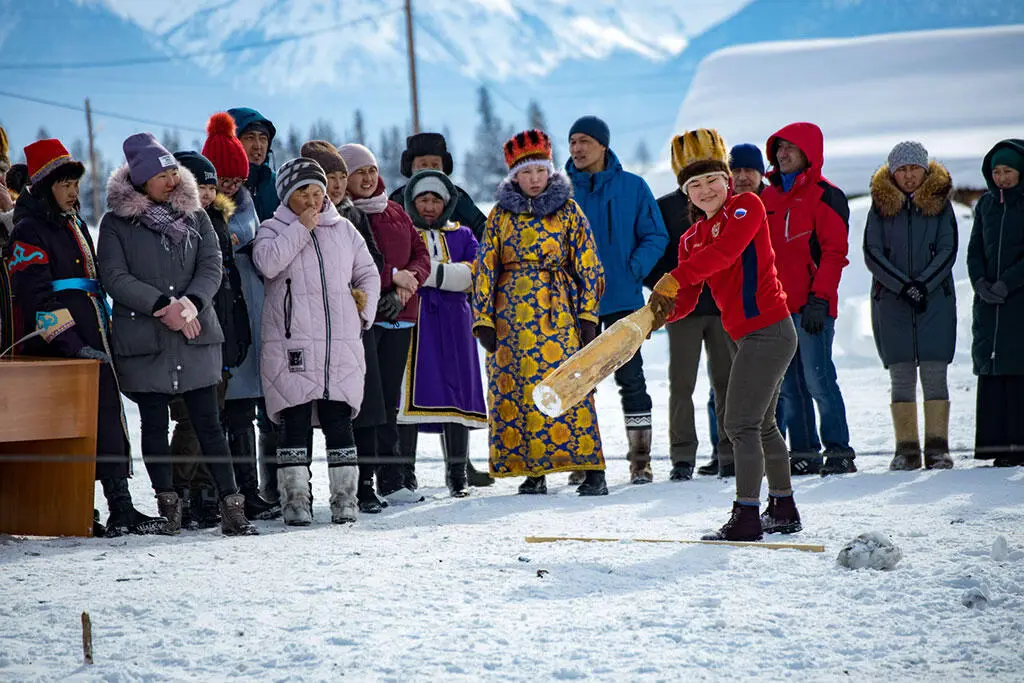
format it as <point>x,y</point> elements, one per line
<point>812,375</point>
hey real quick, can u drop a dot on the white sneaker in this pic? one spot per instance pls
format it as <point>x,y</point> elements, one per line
<point>403,496</point>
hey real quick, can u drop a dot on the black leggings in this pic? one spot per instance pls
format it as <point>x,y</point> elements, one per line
<point>335,420</point>
<point>204,415</point>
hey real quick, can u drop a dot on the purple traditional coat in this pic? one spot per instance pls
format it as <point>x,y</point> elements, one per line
<point>443,383</point>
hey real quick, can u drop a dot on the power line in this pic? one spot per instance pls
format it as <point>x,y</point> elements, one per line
<point>140,61</point>
<point>98,112</point>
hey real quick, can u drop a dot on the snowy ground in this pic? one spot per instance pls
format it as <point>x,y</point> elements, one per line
<point>449,589</point>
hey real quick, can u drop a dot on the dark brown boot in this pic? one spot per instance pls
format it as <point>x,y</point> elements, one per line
<point>781,516</point>
<point>169,506</point>
<point>232,517</point>
<point>640,456</point>
<point>744,525</point>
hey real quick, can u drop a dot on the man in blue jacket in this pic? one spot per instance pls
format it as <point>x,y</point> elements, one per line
<point>257,135</point>
<point>631,238</point>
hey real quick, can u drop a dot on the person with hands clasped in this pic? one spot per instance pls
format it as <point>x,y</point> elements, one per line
<point>159,259</point>
<point>910,245</point>
<point>321,291</point>
<point>729,248</point>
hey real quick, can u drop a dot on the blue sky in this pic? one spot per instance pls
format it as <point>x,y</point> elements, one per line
<point>637,88</point>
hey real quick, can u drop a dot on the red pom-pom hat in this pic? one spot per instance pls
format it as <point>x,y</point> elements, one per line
<point>224,149</point>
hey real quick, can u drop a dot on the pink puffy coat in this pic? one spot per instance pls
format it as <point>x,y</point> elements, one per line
<point>311,330</point>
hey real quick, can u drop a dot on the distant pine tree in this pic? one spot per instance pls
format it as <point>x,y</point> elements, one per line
<point>171,140</point>
<point>642,157</point>
<point>322,129</point>
<point>389,157</point>
<point>485,162</point>
<point>535,119</point>
<point>358,132</point>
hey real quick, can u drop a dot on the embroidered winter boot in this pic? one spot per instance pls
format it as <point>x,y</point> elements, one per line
<point>169,506</point>
<point>593,484</point>
<point>534,486</point>
<point>744,525</point>
<point>455,444</point>
<point>232,516</point>
<point>908,443</point>
<point>936,436</point>
<point>640,456</point>
<point>267,454</point>
<point>343,476</point>
<point>781,516</point>
<point>293,486</point>
<point>124,518</point>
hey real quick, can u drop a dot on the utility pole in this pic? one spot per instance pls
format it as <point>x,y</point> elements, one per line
<point>94,171</point>
<point>412,68</point>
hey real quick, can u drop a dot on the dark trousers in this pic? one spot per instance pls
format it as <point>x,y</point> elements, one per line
<point>636,402</point>
<point>335,420</point>
<point>203,414</point>
<point>382,440</point>
<point>686,337</point>
<point>999,418</point>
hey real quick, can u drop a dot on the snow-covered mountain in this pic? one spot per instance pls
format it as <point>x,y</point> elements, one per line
<point>346,40</point>
<point>956,91</point>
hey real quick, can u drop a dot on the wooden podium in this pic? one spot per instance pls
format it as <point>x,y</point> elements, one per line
<point>48,412</point>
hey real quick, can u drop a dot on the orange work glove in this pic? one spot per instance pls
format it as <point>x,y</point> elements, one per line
<point>663,299</point>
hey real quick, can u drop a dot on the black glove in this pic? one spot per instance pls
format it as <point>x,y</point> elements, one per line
<point>93,354</point>
<point>389,306</point>
<point>488,339</point>
<point>588,332</point>
<point>916,295</point>
<point>813,315</point>
<point>983,288</point>
<point>1000,289</point>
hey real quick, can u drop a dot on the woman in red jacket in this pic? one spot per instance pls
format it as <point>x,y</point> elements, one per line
<point>729,248</point>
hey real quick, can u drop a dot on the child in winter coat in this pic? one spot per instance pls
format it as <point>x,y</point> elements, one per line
<point>729,247</point>
<point>442,390</point>
<point>321,293</point>
<point>406,267</point>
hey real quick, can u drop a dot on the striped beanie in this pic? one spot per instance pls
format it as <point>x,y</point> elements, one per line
<point>296,174</point>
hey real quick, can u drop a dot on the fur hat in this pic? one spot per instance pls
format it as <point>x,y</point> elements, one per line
<point>357,157</point>
<point>296,174</point>
<point>325,154</point>
<point>224,149</point>
<point>423,145</point>
<point>698,153</point>
<point>43,157</point>
<point>528,148</point>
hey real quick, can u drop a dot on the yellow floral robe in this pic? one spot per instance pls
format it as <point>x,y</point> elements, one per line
<point>535,280</point>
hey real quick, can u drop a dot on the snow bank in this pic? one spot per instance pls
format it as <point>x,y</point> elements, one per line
<point>957,91</point>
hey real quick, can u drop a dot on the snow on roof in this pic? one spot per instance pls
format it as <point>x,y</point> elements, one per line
<point>957,91</point>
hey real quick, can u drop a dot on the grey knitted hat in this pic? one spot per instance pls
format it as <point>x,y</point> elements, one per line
<point>429,183</point>
<point>296,174</point>
<point>908,153</point>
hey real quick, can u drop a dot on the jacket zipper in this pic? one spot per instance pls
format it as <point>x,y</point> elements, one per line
<point>610,223</point>
<point>288,309</point>
<point>327,318</point>
<point>910,272</point>
<point>999,272</point>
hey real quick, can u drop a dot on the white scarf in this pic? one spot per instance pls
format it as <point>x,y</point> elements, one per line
<point>373,205</point>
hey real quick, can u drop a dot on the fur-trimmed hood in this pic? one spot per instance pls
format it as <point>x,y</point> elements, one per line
<point>127,202</point>
<point>931,198</point>
<point>224,205</point>
<point>553,198</point>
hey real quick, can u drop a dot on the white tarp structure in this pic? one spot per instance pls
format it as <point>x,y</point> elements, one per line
<point>957,91</point>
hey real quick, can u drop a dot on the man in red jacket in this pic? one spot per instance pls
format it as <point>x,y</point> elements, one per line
<point>809,222</point>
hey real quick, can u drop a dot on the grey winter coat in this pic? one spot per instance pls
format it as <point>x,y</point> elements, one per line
<point>912,239</point>
<point>245,379</point>
<point>137,266</point>
<point>312,330</point>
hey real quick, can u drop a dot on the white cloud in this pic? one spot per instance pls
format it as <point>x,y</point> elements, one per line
<point>486,37</point>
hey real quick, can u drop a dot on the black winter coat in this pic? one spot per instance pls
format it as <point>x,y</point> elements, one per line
<point>45,247</point>
<point>909,239</point>
<point>229,302</point>
<point>675,211</point>
<point>996,252</point>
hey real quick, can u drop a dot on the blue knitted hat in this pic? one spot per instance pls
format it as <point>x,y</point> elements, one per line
<point>594,127</point>
<point>746,155</point>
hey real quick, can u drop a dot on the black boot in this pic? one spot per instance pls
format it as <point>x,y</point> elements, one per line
<point>711,469</point>
<point>267,454</point>
<point>743,525</point>
<point>408,440</point>
<point>534,486</point>
<point>98,528</point>
<point>188,521</point>
<point>476,477</point>
<point>838,462</point>
<point>367,498</point>
<point>243,461</point>
<point>124,518</point>
<point>455,443</point>
<point>209,508</point>
<point>593,484</point>
<point>683,471</point>
<point>781,516</point>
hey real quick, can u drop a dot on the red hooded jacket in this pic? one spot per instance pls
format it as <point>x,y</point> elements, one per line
<point>732,252</point>
<point>810,224</point>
